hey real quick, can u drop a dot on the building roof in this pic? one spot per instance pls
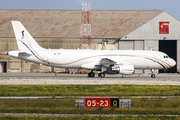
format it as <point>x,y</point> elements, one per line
<point>67,23</point>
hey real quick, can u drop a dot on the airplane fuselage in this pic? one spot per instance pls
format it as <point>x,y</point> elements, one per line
<point>76,58</point>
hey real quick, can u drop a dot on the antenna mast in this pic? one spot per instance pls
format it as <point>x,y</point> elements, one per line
<point>85,32</point>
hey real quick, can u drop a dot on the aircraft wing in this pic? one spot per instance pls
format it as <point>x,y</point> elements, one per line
<point>106,62</point>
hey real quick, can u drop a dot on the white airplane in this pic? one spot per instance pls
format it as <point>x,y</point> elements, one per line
<point>107,61</point>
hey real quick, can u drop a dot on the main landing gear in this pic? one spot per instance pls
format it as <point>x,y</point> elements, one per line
<point>100,75</point>
<point>91,74</point>
<point>152,74</point>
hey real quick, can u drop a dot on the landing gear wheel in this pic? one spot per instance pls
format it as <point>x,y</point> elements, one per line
<point>91,74</point>
<point>153,76</point>
<point>101,75</point>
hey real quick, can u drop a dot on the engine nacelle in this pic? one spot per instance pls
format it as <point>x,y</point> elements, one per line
<point>124,69</point>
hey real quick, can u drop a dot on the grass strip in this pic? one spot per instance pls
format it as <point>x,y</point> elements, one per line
<point>88,118</point>
<point>145,106</point>
<point>88,90</point>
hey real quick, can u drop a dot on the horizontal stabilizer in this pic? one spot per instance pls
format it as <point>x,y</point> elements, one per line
<point>24,54</point>
<point>18,53</point>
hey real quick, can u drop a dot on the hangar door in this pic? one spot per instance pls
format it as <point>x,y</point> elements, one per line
<point>3,66</point>
<point>170,48</point>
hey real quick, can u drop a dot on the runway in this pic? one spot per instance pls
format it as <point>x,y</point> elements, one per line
<point>82,79</point>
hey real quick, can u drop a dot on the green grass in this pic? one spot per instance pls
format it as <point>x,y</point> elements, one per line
<point>143,106</point>
<point>88,90</point>
<point>89,118</point>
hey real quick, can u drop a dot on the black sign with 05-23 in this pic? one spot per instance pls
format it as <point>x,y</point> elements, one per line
<point>115,102</point>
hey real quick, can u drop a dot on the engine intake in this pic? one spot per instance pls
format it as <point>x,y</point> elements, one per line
<point>124,69</point>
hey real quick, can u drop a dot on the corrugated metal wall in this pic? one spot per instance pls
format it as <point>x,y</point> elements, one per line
<point>7,44</point>
<point>131,45</point>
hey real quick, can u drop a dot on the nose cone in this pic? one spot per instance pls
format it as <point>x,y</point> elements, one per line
<point>172,63</point>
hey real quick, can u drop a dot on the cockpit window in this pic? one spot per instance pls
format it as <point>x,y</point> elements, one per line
<point>166,56</point>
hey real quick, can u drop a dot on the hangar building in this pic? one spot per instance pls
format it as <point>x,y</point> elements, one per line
<point>55,29</point>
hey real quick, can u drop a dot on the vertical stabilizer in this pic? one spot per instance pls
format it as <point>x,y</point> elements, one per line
<point>24,40</point>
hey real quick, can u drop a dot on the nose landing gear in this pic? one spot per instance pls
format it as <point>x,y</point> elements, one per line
<point>152,74</point>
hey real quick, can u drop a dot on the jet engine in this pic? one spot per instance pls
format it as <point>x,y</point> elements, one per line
<point>124,69</point>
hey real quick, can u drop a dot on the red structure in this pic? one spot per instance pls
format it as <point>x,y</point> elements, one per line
<point>85,32</point>
<point>163,27</point>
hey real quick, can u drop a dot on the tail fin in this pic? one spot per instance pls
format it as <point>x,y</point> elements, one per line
<point>24,40</point>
